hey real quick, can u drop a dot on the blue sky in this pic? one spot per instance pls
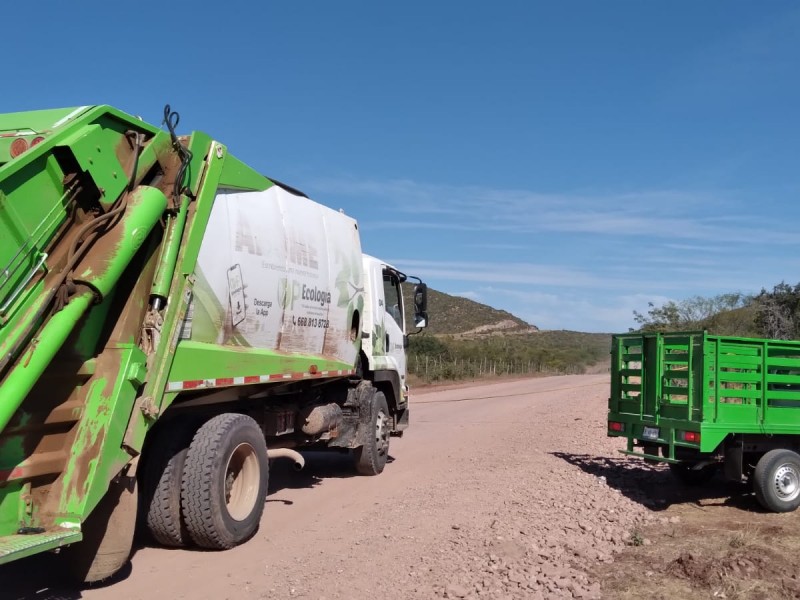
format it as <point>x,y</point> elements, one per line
<point>566,161</point>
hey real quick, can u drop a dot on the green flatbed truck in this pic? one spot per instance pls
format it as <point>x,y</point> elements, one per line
<point>171,321</point>
<point>706,403</point>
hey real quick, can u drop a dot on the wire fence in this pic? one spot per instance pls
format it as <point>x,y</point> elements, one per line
<point>433,368</point>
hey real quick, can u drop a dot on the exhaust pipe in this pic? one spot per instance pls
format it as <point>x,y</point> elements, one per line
<point>297,458</point>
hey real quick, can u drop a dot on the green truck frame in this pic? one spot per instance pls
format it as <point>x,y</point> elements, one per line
<point>704,403</point>
<point>111,412</point>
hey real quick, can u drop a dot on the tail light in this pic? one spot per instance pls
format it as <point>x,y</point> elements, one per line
<point>37,140</point>
<point>616,426</point>
<point>690,436</point>
<point>18,146</point>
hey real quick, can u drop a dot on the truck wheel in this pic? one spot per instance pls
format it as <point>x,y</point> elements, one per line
<point>161,484</point>
<point>225,481</point>
<point>107,535</point>
<point>776,480</point>
<point>692,477</point>
<point>370,459</point>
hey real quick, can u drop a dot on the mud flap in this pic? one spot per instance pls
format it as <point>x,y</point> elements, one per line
<point>400,422</point>
<point>734,460</point>
<point>108,534</point>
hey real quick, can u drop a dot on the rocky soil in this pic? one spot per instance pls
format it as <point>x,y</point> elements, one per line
<point>534,515</point>
<point>502,491</point>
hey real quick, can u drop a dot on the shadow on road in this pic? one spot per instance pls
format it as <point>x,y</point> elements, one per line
<point>655,487</point>
<point>320,465</point>
<point>42,577</point>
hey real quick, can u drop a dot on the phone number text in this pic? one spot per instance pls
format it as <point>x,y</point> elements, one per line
<point>311,322</point>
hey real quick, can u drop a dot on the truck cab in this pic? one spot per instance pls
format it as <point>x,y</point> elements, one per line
<point>385,333</point>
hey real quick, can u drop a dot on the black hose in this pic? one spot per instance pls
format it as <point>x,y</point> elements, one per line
<point>90,228</point>
<point>171,120</point>
<point>136,150</point>
<point>64,286</point>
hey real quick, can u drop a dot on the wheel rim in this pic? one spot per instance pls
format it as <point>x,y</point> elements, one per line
<point>241,482</point>
<point>786,483</point>
<point>382,433</point>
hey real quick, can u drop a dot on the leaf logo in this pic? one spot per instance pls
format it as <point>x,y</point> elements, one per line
<point>284,293</point>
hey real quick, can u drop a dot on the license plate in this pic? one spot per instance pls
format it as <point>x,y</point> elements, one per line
<point>650,433</point>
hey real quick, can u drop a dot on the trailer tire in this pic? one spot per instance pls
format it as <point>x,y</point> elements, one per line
<point>687,475</point>
<point>776,480</point>
<point>370,458</point>
<point>224,484</point>
<point>107,535</point>
<point>161,484</point>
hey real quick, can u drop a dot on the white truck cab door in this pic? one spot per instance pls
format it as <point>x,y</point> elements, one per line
<point>394,323</point>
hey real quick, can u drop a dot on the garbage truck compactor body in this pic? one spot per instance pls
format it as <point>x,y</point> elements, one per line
<point>171,321</point>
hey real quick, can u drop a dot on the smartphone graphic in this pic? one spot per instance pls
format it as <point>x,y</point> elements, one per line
<point>236,294</point>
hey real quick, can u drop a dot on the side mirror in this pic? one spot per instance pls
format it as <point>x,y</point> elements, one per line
<point>420,305</point>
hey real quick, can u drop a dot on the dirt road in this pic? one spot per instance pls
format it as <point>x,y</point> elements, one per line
<point>488,495</point>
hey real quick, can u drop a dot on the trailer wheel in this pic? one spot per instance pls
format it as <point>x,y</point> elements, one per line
<point>225,481</point>
<point>687,475</point>
<point>776,480</point>
<point>370,459</point>
<point>107,535</point>
<point>161,484</point>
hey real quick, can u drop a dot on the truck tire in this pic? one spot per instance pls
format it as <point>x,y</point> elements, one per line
<point>224,483</point>
<point>687,475</point>
<point>107,535</point>
<point>370,458</point>
<point>161,484</point>
<point>776,480</point>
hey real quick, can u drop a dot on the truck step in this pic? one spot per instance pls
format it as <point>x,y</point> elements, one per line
<point>13,547</point>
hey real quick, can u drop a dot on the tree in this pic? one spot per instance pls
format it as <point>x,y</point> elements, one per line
<point>717,313</point>
<point>778,314</point>
<point>429,345</point>
<point>659,318</point>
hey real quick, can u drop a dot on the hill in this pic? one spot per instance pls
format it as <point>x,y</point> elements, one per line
<point>455,315</point>
<point>467,339</point>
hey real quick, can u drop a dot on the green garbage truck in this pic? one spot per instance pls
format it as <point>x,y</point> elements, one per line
<point>706,403</point>
<point>171,321</point>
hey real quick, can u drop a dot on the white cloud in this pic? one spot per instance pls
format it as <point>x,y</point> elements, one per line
<point>611,314</point>
<point>504,272</point>
<point>582,261</point>
<point>487,246</point>
<point>672,214</point>
<point>696,248</point>
<point>470,295</point>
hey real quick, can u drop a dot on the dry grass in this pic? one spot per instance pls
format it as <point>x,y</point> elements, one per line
<point>721,548</point>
